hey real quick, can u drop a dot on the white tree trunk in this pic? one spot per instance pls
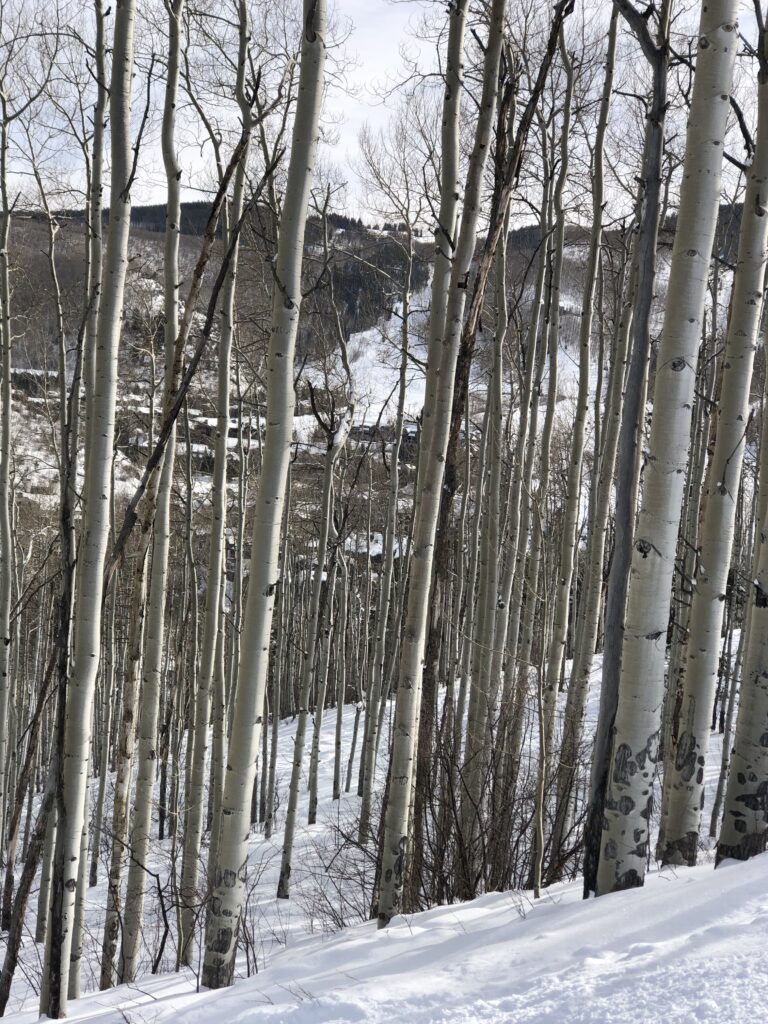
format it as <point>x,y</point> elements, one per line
<point>159,511</point>
<point>233,827</point>
<point>95,533</point>
<point>335,444</point>
<point>684,779</point>
<point>634,754</point>
<point>195,798</point>
<point>444,337</point>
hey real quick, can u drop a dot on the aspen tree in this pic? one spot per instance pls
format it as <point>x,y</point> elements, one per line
<point>322,681</point>
<point>341,672</point>
<point>216,557</point>
<point>531,585</point>
<point>445,334</point>
<point>336,431</point>
<point>656,52</point>
<point>96,505</point>
<point>228,872</point>
<point>157,526</point>
<point>744,828</point>
<point>393,180</point>
<point>10,112</point>
<point>283,607</point>
<point>708,374</point>
<point>479,713</point>
<point>759,510</point>
<point>579,683</point>
<point>635,746</point>
<point>481,629</point>
<point>126,737</point>
<point>684,778</point>
<point>727,723</point>
<point>581,671</point>
<point>567,557</point>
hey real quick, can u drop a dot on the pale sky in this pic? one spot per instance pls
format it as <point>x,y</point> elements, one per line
<point>373,32</point>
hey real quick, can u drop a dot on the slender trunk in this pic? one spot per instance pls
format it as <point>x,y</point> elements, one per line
<point>336,437</point>
<point>684,780</point>
<point>445,334</point>
<point>95,534</point>
<point>210,646</point>
<point>156,524</point>
<point>635,745</point>
<point>629,443</point>
<point>229,872</point>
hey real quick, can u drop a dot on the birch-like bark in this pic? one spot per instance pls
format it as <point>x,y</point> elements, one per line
<point>730,715</point>
<point>280,664</point>
<point>341,674</point>
<point>108,688</point>
<point>582,665</point>
<point>6,538</point>
<point>336,434</point>
<point>744,829</point>
<point>635,746</point>
<point>581,671</point>
<point>684,779</point>
<point>570,522</point>
<point>95,534</point>
<point>321,689</point>
<point>233,827</point>
<point>157,518</point>
<point>538,500</point>
<point>384,601</point>
<point>126,738</point>
<point>216,556</point>
<point>630,431</point>
<point>702,441</point>
<point>479,715</point>
<point>444,337</point>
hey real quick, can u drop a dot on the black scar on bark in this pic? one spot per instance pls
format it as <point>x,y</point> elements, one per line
<point>686,846</point>
<point>647,812</point>
<point>685,756</point>
<point>650,752</point>
<point>222,940</point>
<point>757,801</point>
<point>749,846</point>
<point>623,765</point>
<point>626,805</point>
<point>629,880</point>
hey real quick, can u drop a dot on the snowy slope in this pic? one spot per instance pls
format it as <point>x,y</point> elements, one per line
<point>698,937</point>
<point>690,948</point>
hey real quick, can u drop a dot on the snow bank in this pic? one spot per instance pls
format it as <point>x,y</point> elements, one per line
<point>689,948</point>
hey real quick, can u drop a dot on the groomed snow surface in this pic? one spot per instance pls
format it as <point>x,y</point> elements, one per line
<point>689,948</point>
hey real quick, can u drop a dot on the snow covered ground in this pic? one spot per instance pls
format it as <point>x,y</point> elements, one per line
<point>689,948</point>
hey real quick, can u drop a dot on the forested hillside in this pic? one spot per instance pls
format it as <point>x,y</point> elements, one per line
<point>383,532</point>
